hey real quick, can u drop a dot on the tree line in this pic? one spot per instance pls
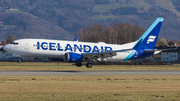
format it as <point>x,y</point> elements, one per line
<point>119,33</point>
<point>12,37</point>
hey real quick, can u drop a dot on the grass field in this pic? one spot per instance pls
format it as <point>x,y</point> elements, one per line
<point>106,7</point>
<point>101,17</point>
<point>166,4</point>
<point>18,11</point>
<point>12,26</point>
<point>2,26</point>
<point>88,88</point>
<point>70,66</point>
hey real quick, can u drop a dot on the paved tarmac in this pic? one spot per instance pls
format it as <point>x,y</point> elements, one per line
<point>44,73</point>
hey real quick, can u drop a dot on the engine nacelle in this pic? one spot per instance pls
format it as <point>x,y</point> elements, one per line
<point>73,57</point>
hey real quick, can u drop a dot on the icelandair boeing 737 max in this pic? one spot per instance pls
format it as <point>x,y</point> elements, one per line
<point>78,52</point>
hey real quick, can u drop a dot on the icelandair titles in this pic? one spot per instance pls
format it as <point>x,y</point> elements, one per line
<point>74,48</point>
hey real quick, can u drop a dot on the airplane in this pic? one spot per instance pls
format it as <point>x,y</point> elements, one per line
<point>78,52</point>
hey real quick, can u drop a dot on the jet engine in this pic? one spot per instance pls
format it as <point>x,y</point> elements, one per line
<point>73,57</point>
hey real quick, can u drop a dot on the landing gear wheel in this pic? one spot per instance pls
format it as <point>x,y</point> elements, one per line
<point>88,65</point>
<point>78,64</point>
<point>19,60</point>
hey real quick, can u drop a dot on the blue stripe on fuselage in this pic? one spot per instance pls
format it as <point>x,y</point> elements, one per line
<point>130,55</point>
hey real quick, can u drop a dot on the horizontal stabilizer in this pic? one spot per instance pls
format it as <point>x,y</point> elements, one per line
<point>169,49</point>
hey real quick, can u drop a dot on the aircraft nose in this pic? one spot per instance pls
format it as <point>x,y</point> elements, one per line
<point>6,47</point>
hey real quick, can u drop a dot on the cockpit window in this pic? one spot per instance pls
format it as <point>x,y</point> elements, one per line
<point>14,43</point>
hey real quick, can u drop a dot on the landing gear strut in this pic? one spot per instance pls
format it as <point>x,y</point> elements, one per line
<point>78,64</point>
<point>88,65</point>
<point>19,60</point>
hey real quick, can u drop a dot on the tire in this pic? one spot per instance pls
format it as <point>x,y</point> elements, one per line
<point>78,64</point>
<point>88,65</point>
<point>19,61</point>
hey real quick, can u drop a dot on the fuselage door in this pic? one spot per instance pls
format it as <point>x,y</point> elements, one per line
<point>26,45</point>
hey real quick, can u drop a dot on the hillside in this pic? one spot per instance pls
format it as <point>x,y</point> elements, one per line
<point>61,19</point>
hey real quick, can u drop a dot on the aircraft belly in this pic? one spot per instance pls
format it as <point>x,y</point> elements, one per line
<point>118,58</point>
<point>52,54</point>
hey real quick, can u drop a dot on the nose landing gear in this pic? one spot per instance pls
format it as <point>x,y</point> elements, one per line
<point>19,60</point>
<point>78,64</point>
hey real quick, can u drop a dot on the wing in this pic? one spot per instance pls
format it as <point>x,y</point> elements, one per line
<point>102,55</point>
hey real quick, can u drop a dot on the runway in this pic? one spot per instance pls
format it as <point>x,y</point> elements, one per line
<point>63,73</point>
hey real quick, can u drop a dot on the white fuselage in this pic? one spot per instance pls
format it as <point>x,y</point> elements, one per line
<point>57,48</point>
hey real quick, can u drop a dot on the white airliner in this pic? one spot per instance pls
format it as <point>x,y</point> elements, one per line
<point>78,52</point>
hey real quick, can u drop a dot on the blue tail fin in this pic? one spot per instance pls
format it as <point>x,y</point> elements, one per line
<point>149,38</point>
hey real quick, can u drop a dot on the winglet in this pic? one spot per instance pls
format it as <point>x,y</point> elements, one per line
<point>75,39</point>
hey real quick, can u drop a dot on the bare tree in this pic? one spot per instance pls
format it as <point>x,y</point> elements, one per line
<point>162,41</point>
<point>9,39</point>
<point>119,33</point>
<point>13,37</point>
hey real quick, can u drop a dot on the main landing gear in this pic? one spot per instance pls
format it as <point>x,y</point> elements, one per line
<point>88,65</point>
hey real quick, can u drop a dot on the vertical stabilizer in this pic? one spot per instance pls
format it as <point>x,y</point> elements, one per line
<point>149,38</point>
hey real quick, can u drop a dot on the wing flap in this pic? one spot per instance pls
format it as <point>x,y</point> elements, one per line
<point>102,54</point>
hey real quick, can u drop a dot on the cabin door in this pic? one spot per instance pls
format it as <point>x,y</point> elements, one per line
<point>26,45</point>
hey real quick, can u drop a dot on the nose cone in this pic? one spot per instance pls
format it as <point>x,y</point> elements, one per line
<point>7,48</point>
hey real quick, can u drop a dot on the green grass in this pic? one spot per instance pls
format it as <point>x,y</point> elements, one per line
<point>106,7</point>
<point>18,11</point>
<point>12,26</point>
<point>70,66</point>
<point>132,16</point>
<point>88,88</point>
<point>101,17</point>
<point>166,4</point>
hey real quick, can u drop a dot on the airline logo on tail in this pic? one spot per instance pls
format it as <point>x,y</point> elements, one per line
<point>151,39</point>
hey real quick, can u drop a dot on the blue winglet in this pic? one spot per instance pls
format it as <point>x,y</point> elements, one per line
<point>75,39</point>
